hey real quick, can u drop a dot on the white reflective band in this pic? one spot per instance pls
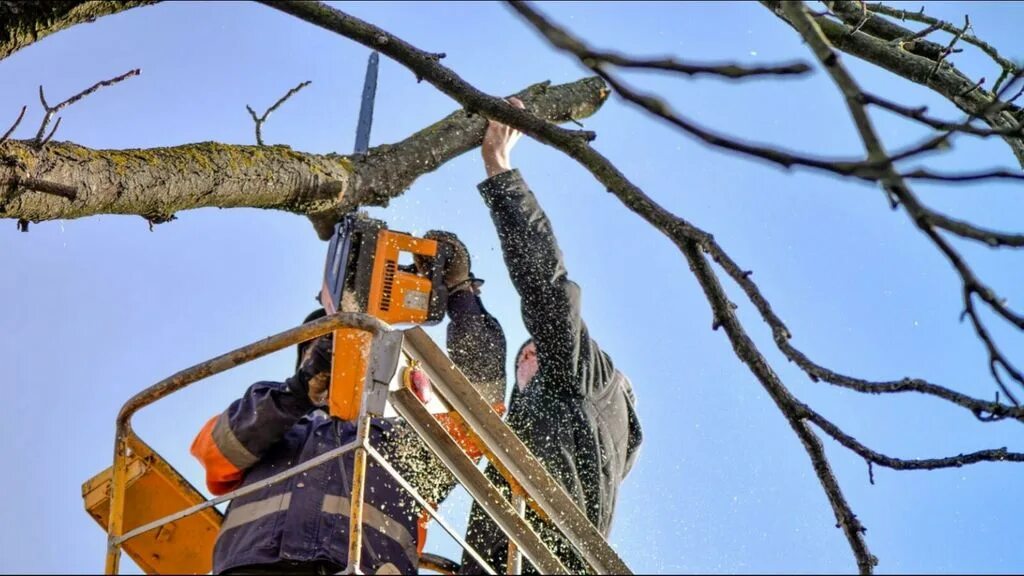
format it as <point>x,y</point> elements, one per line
<point>375,519</point>
<point>239,515</point>
<point>230,446</point>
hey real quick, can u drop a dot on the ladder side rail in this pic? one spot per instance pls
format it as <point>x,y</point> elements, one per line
<point>502,441</point>
<point>479,487</point>
<point>433,512</point>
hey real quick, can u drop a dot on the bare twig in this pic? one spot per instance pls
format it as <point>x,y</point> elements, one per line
<point>748,352</point>
<point>995,356</point>
<point>50,111</point>
<point>949,50</point>
<point>52,132</point>
<point>13,126</point>
<point>259,120</point>
<point>866,170</point>
<point>904,40</point>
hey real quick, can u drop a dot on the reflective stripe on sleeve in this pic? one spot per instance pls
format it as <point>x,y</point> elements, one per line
<point>230,446</point>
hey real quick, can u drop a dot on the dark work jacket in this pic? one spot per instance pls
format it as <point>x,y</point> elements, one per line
<point>305,518</point>
<point>578,414</point>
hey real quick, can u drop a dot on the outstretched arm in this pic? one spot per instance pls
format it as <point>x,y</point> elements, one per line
<point>550,301</point>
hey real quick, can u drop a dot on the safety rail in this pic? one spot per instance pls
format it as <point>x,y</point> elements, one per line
<point>498,442</point>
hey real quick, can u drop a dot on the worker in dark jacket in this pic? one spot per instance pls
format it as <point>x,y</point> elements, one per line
<point>300,525</point>
<point>571,406</point>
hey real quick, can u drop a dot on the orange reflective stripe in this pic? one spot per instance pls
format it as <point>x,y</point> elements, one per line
<point>221,475</point>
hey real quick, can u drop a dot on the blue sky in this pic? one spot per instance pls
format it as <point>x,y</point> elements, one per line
<point>97,309</point>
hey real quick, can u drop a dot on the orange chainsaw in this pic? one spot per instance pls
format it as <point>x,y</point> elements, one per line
<point>364,274</point>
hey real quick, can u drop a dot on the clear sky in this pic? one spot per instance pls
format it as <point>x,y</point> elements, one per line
<point>97,309</point>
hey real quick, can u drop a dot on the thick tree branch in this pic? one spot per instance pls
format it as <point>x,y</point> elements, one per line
<point>24,23</point>
<point>934,23</point>
<point>158,182</point>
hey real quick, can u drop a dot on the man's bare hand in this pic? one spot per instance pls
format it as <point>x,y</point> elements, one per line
<point>498,143</point>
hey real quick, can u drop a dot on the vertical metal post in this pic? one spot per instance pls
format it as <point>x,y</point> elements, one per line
<point>115,525</point>
<point>355,520</point>
<point>514,563</point>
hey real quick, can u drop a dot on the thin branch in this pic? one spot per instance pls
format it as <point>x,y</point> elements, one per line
<point>968,230</point>
<point>960,460</point>
<point>669,64</point>
<point>50,111</point>
<point>919,114</point>
<point>594,57</point>
<point>52,132</point>
<point>37,185</point>
<point>993,174</point>
<point>747,351</point>
<point>949,50</point>
<point>261,119</point>
<point>13,126</point>
<point>996,358</point>
<point>904,40</point>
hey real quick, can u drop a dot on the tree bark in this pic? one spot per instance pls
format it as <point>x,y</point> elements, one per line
<point>24,23</point>
<point>155,183</point>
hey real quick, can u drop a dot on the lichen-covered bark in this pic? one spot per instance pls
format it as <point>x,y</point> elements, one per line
<point>155,183</point>
<point>23,23</point>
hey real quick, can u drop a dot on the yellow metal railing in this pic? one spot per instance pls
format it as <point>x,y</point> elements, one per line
<point>495,439</point>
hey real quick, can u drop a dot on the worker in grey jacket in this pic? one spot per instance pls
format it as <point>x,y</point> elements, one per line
<point>571,406</point>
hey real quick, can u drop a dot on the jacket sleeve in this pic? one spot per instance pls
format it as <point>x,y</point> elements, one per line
<point>550,300</point>
<point>236,439</point>
<point>476,344</point>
